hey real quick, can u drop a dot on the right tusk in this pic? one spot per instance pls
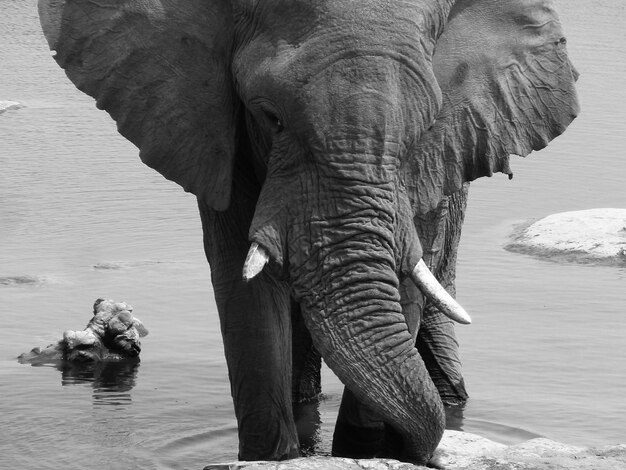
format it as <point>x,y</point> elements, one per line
<point>424,279</point>
<point>255,262</point>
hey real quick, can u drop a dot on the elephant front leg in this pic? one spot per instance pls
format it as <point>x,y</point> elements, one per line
<point>440,233</point>
<point>306,383</point>
<point>256,329</point>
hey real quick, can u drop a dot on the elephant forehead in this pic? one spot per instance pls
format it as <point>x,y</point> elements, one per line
<point>293,19</point>
<point>296,41</point>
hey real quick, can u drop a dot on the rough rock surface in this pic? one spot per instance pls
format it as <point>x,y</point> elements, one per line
<point>111,335</point>
<point>588,236</point>
<point>464,451</point>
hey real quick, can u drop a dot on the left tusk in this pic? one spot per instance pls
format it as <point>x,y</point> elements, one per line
<point>255,262</point>
<point>424,279</point>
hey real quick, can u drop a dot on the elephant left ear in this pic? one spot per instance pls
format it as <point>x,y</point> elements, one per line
<point>507,86</point>
<point>161,69</point>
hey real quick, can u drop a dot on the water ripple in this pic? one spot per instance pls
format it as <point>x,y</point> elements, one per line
<point>118,265</point>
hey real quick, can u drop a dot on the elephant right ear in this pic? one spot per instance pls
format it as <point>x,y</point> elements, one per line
<point>161,69</point>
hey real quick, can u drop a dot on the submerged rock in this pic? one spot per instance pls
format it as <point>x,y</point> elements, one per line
<point>20,280</point>
<point>465,451</point>
<point>111,335</point>
<point>588,236</point>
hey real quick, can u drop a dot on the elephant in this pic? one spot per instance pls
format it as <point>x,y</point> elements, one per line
<point>329,144</point>
<point>111,336</point>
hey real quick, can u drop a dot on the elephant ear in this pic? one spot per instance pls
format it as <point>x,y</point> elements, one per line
<point>161,69</point>
<point>507,87</point>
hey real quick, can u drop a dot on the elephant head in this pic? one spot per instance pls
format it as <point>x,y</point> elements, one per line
<point>352,118</point>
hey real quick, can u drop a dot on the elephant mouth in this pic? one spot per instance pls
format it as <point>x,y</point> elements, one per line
<point>423,278</point>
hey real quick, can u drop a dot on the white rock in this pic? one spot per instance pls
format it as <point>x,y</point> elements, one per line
<point>586,236</point>
<point>7,105</point>
<point>465,451</point>
<point>461,449</point>
<point>74,339</point>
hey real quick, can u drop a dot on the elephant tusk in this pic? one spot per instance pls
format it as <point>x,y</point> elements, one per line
<point>424,279</point>
<point>255,262</point>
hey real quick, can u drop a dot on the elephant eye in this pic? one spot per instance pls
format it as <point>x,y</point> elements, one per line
<point>274,121</point>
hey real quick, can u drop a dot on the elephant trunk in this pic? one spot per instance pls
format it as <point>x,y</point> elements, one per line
<point>357,324</point>
<point>348,287</point>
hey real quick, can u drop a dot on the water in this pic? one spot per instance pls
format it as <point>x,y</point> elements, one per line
<point>81,217</point>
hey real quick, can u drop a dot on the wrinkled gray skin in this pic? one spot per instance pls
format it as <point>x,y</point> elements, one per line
<point>111,335</point>
<point>330,133</point>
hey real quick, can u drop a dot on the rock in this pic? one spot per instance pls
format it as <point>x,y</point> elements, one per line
<point>318,463</point>
<point>465,451</point>
<point>74,339</point>
<point>460,449</point>
<point>8,105</point>
<point>589,236</point>
<point>112,335</point>
<point>51,354</point>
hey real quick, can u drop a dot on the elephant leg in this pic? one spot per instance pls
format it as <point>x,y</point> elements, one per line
<point>256,329</point>
<point>306,361</point>
<point>437,344</point>
<point>440,233</point>
<point>359,432</point>
<point>306,383</point>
